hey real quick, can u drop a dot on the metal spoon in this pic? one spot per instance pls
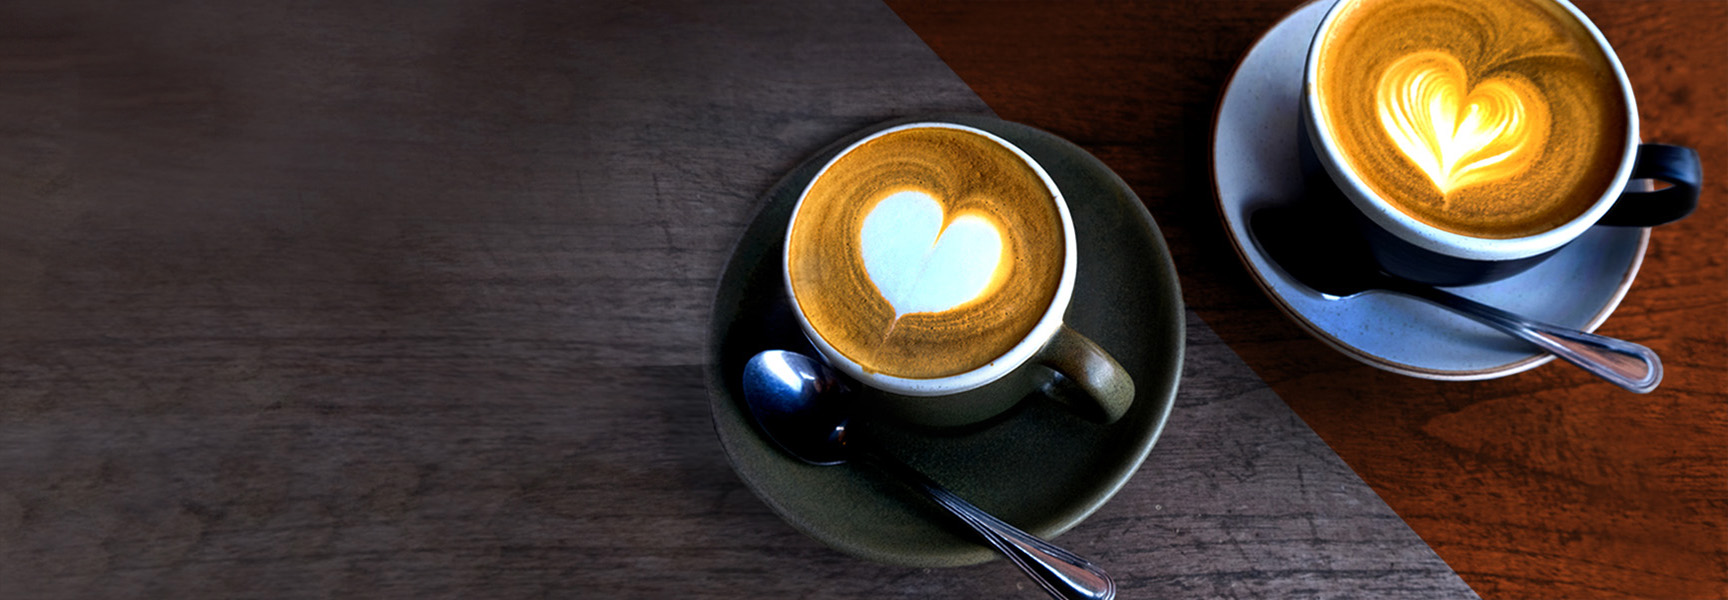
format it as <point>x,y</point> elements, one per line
<point>1334,264</point>
<point>803,408</point>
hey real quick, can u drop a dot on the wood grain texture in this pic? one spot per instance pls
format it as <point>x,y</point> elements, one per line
<point>313,299</point>
<point>1543,484</point>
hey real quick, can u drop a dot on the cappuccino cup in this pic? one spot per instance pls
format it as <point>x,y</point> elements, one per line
<point>1476,138</point>
<point>933,263</point>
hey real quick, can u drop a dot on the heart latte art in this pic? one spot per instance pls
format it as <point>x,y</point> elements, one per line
<point>920,262</point>
<point>926,252</point>
<point>1460,136</point>
<point>1485,118</point>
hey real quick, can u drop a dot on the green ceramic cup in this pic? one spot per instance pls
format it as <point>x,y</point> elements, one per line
<point>1088,380</point>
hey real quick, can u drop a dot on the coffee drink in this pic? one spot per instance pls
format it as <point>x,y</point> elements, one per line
<point>1486,118</point>
<point>926,252</point>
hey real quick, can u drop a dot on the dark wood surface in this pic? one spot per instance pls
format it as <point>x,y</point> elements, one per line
<point>312,299</point>
<point>1543,484</point>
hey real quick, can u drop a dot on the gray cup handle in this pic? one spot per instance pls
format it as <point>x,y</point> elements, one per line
<point>1091,382</point>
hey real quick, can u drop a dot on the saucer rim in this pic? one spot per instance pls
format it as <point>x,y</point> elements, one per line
<point>1536,359</point>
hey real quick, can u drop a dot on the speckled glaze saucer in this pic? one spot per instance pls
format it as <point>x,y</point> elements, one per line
<point>1256,163</point>
<point>1037,466</point>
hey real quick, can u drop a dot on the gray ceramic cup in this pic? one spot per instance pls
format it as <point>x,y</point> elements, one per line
<point>1052,360</point>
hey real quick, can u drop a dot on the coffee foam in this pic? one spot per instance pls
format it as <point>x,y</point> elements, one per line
<point>1486,118</point>
<point>889,252</point>
<point>921,261</point>
<point>1460,136</point>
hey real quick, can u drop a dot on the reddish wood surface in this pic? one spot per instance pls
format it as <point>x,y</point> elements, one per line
<point>1544,484</point>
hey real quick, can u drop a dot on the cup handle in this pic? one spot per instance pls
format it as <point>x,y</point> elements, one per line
<point>1675,165</point>
<point>1104,388</point>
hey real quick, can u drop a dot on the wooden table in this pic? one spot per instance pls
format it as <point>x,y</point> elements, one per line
<point>312,299</point>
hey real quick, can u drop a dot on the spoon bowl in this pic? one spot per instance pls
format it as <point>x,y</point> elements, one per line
<point>799,404</point>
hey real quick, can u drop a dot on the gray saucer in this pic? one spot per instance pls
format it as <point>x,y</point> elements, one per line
<point>1037,466</point>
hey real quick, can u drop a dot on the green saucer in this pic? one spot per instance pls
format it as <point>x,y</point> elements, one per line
<point>1037,466</point>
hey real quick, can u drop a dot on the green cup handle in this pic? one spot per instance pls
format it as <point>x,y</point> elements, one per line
<point>1092,383</point>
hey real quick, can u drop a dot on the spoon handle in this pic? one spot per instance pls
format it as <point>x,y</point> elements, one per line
<point>1622,363</point>
<point>1060,572</point>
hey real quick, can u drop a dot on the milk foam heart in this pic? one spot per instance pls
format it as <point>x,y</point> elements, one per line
<point>1493,132</point>
<point>918,262</point>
